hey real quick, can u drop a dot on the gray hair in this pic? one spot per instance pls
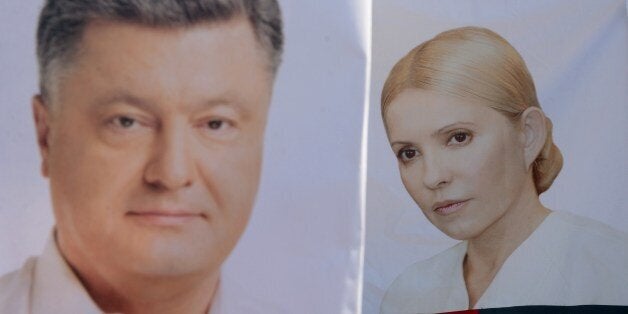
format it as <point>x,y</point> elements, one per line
<point>62,23</point>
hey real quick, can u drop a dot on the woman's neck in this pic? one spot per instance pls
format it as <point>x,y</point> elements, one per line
<point>487,252</point>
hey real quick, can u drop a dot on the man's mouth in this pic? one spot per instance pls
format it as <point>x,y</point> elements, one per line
<point>165,217</point>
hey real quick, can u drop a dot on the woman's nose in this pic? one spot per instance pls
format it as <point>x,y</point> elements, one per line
<point>436,173</point>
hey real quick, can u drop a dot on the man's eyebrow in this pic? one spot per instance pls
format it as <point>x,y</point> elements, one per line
<point>452,125</point>
<point>130,99</point>
<point>126,98</point>
<point>226,101</point>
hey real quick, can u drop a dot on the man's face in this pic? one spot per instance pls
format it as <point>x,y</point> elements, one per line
<point>153,145</point>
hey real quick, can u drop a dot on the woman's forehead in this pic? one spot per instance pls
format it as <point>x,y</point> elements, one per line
<point>424,112</point>
<point>420,104</point>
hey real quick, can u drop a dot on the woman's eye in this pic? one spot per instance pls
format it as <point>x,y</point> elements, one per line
<point>407,154</point>
<point>459,138</point>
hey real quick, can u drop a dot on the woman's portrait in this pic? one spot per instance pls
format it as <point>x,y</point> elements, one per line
<point>475,153</point>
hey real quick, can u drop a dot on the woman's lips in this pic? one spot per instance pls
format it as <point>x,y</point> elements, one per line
<point>449,208</point>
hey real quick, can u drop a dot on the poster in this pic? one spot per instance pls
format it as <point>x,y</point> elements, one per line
<point>332,225</point>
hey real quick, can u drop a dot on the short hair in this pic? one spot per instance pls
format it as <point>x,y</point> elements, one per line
<point>62,23</point>
<point>477,63</point>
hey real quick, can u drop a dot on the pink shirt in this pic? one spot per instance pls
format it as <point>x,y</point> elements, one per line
<point>47,284</point>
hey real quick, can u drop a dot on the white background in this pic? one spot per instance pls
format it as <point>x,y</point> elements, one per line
<point>577,53</point>
<point>302,247</point>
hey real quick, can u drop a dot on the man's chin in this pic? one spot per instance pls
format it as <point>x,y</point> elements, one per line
<point>169,251</point>
<point>172,262</point>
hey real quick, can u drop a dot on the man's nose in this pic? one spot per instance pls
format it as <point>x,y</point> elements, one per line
<point>436,172</point>
<point>172,165</point>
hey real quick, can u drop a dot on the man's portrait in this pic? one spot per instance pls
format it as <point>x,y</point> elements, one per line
<point>149,120</point>
<point>150,127</point>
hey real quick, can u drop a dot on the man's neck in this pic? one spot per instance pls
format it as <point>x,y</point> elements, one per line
<point>131,293</point>
<point>157,296</point>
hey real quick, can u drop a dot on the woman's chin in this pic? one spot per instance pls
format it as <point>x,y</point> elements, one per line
<point>457,234</point>
<point>458,230</point>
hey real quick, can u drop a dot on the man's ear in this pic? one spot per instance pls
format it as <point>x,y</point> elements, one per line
<point>534,132</point>
<point>41,116</point>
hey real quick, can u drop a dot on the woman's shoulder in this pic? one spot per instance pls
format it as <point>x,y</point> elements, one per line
<point>431,281</point>
<point>592,255</point>
<point>588,230</point>
<point>584,240</point>
<point>435,265</point>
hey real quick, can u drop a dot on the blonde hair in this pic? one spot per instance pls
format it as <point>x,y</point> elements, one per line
<point>475,62</point>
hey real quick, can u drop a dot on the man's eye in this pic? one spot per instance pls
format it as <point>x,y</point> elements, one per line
<point>459,138</point>
<point>124,122</point>
<point>219,124</point>
<point>219,128</point>
<point>216,124</point>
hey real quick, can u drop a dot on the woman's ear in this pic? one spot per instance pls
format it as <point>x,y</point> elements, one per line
<point>42,126</point>
<point>534,132</point>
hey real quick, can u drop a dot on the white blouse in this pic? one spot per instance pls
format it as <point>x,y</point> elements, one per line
<point>567,260</point>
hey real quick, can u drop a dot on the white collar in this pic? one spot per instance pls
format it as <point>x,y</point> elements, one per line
<point>56,289</point>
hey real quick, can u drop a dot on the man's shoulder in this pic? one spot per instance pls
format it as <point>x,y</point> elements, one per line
<point>15,288</point>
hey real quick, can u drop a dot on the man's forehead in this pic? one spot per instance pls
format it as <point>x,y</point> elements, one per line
<point>237,25</point>
<point>213,54</point>
<point>237,28</point>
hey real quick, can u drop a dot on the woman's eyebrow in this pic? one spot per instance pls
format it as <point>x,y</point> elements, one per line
<point>403,143</point>
<point>452,126</point>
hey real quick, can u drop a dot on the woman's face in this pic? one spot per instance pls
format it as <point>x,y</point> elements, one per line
<point>461,161</point>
